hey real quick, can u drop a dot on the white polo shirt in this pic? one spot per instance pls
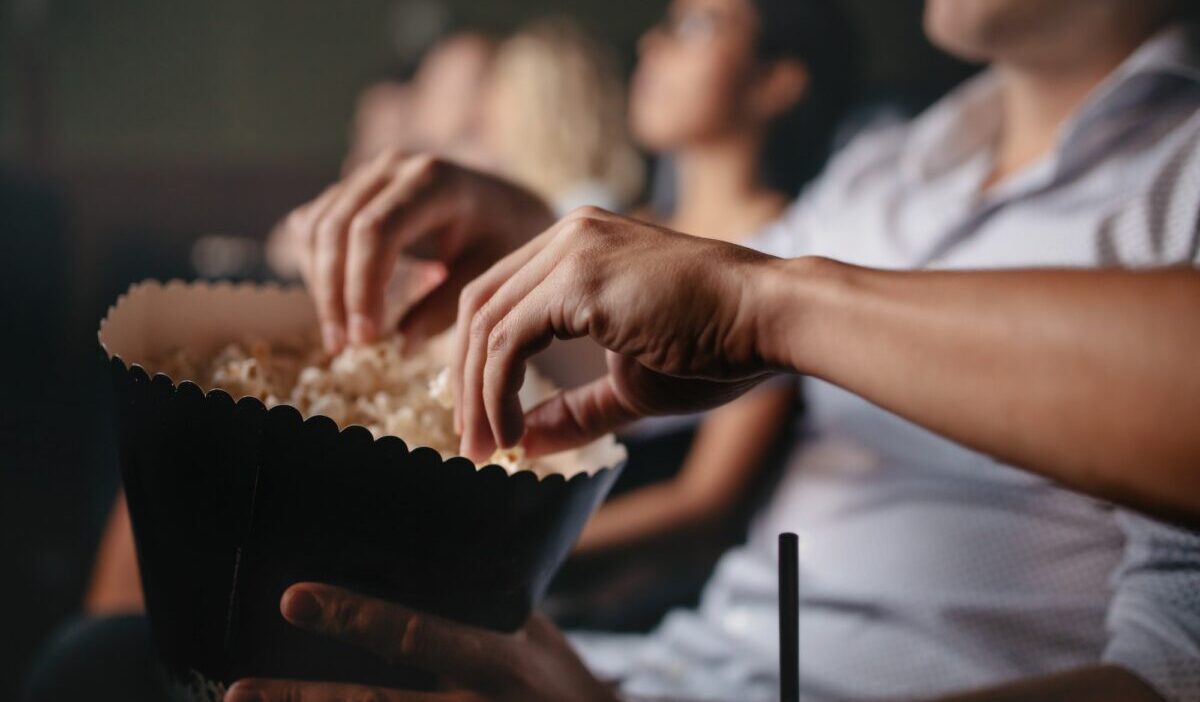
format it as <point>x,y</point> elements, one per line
<point>928,568</point>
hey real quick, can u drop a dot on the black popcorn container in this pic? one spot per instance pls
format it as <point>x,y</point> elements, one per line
<point>231,503</point>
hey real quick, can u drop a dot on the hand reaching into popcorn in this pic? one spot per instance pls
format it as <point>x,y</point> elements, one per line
<point>692,323</point>
<point>349,239</point>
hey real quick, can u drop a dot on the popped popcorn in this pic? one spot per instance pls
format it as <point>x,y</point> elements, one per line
<point>372,385</point>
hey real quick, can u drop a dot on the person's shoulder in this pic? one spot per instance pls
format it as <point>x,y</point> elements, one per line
<point>872,146</point>
<point>1160,224</point>
<point>867,162</point>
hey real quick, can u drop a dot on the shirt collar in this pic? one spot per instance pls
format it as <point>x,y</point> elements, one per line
<point>967,122</point>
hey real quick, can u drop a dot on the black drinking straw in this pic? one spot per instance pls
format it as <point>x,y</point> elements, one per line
<point>789,618</point>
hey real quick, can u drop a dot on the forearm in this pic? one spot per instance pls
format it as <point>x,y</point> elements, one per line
<point>1088,377</point>
<point>729,450</point>
<point>115,586</point>
<point>1099,684</point>
<point>640,516</point>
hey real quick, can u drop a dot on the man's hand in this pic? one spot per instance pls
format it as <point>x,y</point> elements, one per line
<point>349,239</point>
<point>535,664</point>
<point>678,314</point>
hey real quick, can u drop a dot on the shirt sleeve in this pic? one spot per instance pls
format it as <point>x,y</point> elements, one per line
<point>1154,618</point>
<point>788,236</point>
<point>1162,226</point>
<point>804,228</point>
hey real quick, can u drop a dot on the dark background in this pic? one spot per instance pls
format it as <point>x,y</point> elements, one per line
<point>130,127</point>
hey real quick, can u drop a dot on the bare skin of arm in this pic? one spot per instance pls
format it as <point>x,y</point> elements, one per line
<point>728,451</point>
<point>115,587</point>
<point>1097,684</point>
<point>1086,377</point>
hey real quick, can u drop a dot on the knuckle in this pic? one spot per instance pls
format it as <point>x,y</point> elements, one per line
<point>589,317</point>
<point>470,299</point>
<point>585,315</point>
<point>327,229</point>
<point>412,637</point>
<point>392,155</point>
<point>423,165</point>
<point>584,212</point>
<point>585,228</point>
<point>343,615</point>
<point>296,220</point>
<point>575,264</point>
<point>481,327</point>
<point>363,224</point>
<point>497,339</point>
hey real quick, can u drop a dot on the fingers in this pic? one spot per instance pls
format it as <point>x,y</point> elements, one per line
<point>478,437</point>
<point>630,391</point>
<point>474,296</point>
<point>371,254</point>
<point>526,329</point>
<point>401,636</point>
<point>329,250</point>
<point>261,690</point>
<point>574,417</point>
<point>302,232</point>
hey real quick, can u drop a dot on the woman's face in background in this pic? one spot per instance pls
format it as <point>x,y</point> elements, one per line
<point>693,72</point>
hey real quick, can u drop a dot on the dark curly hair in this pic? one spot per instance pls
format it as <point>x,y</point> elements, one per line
<point>819,34</point>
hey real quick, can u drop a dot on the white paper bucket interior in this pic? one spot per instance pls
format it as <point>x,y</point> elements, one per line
<point>153,318</point>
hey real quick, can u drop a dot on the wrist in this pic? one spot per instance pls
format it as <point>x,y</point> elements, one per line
<point>795,302</point>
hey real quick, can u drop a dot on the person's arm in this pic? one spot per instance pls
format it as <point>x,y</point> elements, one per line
<point>729,450</point>
<point>1086,377</point>
<point>115,587</point>
<point>1105,683</point>
<point>346,242</point>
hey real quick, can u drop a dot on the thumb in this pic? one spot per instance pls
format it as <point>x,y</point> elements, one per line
<point>575,417</point>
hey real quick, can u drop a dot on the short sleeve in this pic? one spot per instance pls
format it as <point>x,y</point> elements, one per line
<point>786,237</point>
<point>1162,226</point>
<point>1154,618</point>
<point>816,219</point>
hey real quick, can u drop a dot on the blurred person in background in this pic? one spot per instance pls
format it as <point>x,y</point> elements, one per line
<point>929,567</point>
<point>384,118</point>
<point>450,86</point>
<point>437,111</point>
<point>744,97</point>
<point>555,119</point>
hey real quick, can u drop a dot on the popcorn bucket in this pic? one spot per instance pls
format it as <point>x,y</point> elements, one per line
<point>232,502</point>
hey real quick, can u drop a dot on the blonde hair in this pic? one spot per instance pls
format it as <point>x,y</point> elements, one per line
<point>564,113</point>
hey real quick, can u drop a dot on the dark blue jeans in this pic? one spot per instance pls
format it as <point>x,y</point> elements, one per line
<point>105,658</point>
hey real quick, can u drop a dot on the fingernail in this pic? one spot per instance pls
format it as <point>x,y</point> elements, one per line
<point>333,336</point>
<point>300,607</point>
<point>362,329</point>
<point>243,692</point>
